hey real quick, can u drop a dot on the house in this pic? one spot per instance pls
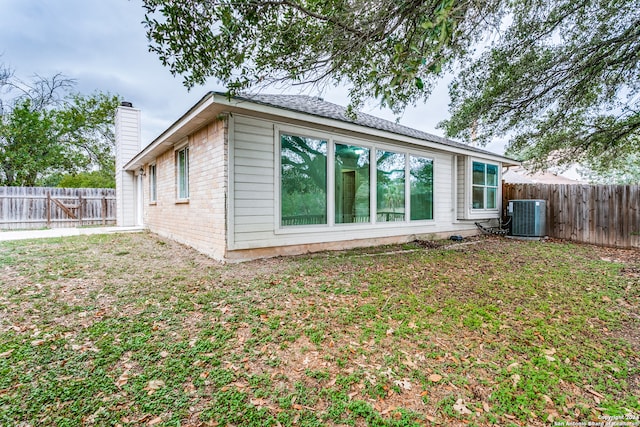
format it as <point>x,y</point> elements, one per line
<point>520,175</point>
<point>264,175</point>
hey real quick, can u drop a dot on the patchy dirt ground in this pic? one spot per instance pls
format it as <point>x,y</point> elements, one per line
<point>138,330</point>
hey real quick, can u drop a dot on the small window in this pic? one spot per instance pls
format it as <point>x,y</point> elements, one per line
<point>484,193</point>
<point>182,161</point>
<point>153,192</point>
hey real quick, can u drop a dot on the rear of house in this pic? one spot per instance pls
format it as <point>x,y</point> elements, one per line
<point>267,175</point>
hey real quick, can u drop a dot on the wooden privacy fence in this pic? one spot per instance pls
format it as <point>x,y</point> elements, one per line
<point>39,207</point>
<point>606,215</point>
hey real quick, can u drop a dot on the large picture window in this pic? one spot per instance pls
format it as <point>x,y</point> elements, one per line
<point>352,191</point>
<point>182,163</point>
<point>390,186</point>
<point>421,187</point>
<point>335,183</point>
<point>303,172</point>
<point>485,186</point>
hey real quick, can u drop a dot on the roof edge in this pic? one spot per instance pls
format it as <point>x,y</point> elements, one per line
<point>222,100</point>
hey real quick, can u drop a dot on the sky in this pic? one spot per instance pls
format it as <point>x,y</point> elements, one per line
<point>102,45</point>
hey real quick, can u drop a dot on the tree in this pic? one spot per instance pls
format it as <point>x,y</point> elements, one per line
<point>393,50</point>
<point>560,78</point>
<point>563,81</point>
<point>29,145</point>
<point>47,131</point>
<point>626,172</point>
<point>88,125</point>
<point>93,179</point>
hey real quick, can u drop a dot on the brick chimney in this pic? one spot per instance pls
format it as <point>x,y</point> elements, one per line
<point>128,141</point>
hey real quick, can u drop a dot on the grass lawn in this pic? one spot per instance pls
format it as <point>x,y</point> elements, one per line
<point>135,330</point>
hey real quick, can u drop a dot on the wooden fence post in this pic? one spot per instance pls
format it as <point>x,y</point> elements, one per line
<point>104,208</point>
<point>80,210</point>
<point>48,209</point>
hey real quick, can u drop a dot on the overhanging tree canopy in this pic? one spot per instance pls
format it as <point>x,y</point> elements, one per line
<point>387,49</point>
<point>559,78</point>
<point>562,81</point>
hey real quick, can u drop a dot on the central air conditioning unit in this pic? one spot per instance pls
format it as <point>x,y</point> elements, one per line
<point>528,217</point>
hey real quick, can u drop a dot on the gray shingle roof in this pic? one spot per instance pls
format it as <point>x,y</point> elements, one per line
<point>321,108</point>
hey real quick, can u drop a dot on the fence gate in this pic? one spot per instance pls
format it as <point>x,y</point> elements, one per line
<point>39,207</point>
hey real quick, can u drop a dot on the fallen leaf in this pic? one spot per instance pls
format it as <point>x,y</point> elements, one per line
<point>552,415</point>
<point>405,384</point>
<point>36,343</point>
<point>516,379</point>
<point>164,354</point>
<point>156,420</point>
<point>153,386</point>
<point>514,365</point>
<point>549,351</point>
<point>434,378</point>
<point>595,393</point>
<point>389,409</point>
<point>460,408</point>
<point>7,353</point>
<point>410,363</point>
<point>122,379</point>
<point>550,358</point>
<point>486,407</point>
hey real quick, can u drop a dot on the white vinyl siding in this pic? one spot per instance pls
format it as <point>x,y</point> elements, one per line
<point>253,186</point>
<point>460,187</point>
<point>255,198</point>
<point>127,132</point>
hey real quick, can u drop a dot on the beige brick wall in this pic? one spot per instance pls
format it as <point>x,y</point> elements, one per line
<point>201,222</point>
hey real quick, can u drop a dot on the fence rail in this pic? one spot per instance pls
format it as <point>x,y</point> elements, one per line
<point>605,215</point>
<point>39,207</point>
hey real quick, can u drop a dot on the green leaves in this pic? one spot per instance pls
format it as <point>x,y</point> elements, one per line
<point>559,78</point>
<point>46,131</point>
<point>562,83</point>
<point>393,49</point>
<point>28,144</point>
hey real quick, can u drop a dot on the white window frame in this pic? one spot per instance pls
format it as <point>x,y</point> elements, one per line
<point>372,174</point>
<point>433,187</point>
<point>484,209</point>
<point>182,193</point>
<point>153,183</point>
<point>306,133</point>
<point>333,139</point>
